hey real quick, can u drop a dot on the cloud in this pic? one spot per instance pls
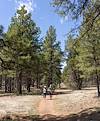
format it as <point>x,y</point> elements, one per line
<point>62,20</point>
<point>30,5</point>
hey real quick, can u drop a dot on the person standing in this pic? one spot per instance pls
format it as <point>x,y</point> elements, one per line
<point>50,91</point>
<point>44,91</point>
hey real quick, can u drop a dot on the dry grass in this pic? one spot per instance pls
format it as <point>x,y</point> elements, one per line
<point>69,106</point>
<point>73,102</point>
<point>19,105</point>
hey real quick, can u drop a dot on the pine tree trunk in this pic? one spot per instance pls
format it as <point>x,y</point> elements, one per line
<point>13,84</point>
<point>97,81</point>
<point>20,86</point>
<point>6,85</point>
<point>19,83</point>
<point>0,82</point>
<point>10,85</point>
<point>37,80</point>
<point>28,85</point>
<point>79,82</point>
<point>37,83</point>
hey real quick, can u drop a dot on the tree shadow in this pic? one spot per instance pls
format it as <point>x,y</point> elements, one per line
<point>89,89</point>
<point>91,114</point>
<point>24,93</point>
<point>60,92</point>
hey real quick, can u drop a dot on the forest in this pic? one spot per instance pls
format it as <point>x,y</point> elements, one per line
<point>26,60</point>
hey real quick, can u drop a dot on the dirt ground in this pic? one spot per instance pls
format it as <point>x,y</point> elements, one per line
<point>72,102</point>
<point>66,105</point>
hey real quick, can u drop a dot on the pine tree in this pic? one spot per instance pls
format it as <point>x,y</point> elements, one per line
<point>21,41</point>
<point>52,56</point>
<point>72,71</point>
<point>89,57</point>
<point>78,8</point>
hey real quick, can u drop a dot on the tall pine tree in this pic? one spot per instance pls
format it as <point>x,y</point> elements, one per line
<point>52,57</point>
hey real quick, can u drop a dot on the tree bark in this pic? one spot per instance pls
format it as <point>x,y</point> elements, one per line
<point>6,85</point>
<point>19,83</point>
<point>0,81</point>
<point>28,84</point>
<point>97,81</point>
<point>37,76</point>
<point>37,82</point>
<point>10,85</point>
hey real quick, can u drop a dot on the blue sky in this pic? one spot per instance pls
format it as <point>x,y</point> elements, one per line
<point>42,13</point>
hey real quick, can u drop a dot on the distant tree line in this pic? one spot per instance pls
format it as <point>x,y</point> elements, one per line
<point>26,60</point>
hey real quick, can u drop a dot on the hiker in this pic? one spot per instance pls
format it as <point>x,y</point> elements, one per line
<point>50,91</point>
<point>44,91</point>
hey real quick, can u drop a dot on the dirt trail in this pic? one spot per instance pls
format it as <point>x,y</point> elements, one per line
<point>46,107</point>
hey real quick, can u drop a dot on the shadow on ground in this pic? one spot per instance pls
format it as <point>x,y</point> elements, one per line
<point>36,92</point>
<point>62,92</point>
<point>91,114</point>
